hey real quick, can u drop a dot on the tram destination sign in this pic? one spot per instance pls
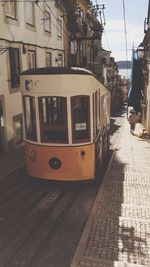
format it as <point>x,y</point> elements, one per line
<point>80,126</point>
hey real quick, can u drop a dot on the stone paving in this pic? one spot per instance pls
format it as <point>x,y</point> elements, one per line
<point>11,161</point>
<point>117,233</point>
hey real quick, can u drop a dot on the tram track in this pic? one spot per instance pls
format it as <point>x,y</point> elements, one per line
<point>7,177</point>
<point>27,201</point>
<point>31,248</point>
<point>11,186</point>
<point>36,217</point>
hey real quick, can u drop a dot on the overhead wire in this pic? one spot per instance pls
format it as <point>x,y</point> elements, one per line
<point>51,12</point>
<point>107,40</point>
<point>103,28</point>
<point>125,30</point>
<point>48,17</point>
<point>45,14</point>
<point>55,17</point>
<point>37,4</point>
<point>65,34</point>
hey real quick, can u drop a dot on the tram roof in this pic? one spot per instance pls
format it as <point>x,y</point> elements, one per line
<point>57,70</point>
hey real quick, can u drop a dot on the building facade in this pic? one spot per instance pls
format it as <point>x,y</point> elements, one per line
<point>44,34</point>
<point>84,28</point>
<point>31,35</point>
<point>145,103</point>
<point>140,89</point>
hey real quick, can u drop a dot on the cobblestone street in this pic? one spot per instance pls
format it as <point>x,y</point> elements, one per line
<point>117,233</point>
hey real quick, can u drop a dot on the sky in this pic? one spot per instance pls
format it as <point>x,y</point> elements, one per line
<point>113,38</point>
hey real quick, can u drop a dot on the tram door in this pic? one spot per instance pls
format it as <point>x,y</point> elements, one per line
<point>97,135</point>
<point>1,128</point>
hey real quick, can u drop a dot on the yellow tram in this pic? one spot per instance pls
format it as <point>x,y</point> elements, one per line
<point>66,119</point>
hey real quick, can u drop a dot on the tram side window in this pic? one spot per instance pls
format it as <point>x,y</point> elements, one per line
<point>30,119</point>
<point>53,119</point>
<point>80,106</point>
<point>97,110</point>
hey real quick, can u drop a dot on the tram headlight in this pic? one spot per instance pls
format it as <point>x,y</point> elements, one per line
<point>32,154</point>
<point>54,163</point>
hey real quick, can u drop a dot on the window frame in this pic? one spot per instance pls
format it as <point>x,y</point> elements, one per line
<point>29,21</point>
<point>31,59</point>
<point>18,118</point>
<point>53,126</point>
<point>48,61</point>
<point>14,62</point>
<point>73,122</point>
<point>97,110</point>
<point>11,4</point>
<point>32,117</point>
<point>60,60</point>
<point>59,27</point>
<point>47,21</point>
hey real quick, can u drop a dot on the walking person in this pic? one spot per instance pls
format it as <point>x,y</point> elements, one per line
<point>132,120</point>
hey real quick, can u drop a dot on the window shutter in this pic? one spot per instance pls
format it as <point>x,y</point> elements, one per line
<point>14,67</point>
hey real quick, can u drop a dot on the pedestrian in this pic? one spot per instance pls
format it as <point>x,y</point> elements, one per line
<point>132,120</point>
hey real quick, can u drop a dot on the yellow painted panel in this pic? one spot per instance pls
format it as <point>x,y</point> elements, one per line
<point>77,162</point>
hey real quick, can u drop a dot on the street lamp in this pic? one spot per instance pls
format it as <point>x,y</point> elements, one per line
<point>140,51</point>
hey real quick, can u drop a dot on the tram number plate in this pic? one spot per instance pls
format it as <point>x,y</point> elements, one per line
<point>80,126</point>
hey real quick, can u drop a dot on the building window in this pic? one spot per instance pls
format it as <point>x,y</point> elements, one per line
<point>53,119</point>
<point>47,21</point>
<point>31,59</point>
<point>11,8</point>
<point>59,27</point>
<point>18,129</point>
<point>80,110</point>
<point>30,119</point>
<point>60,60</point>
<point>48,59</point>
<point>29,12</point>
<point>14,67</point>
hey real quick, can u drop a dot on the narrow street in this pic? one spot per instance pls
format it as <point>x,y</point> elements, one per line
<point>74,177</point>
<point>40,220</point>
<point>117,233</point>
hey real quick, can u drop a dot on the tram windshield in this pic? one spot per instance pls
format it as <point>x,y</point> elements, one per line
<point>80,106</point>
<point>53,119</point>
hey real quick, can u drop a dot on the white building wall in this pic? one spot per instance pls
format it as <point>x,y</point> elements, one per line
<point>20,32</point>
<point>15,33</point>
<point>13,105</point>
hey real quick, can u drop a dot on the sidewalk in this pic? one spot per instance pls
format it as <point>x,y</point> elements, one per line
<point>11,160</point>
<point>117,233</point>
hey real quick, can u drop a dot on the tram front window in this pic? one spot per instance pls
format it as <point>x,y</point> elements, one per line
<point>30,120</point>
<point>53,119</point>
<point>80,106</point>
